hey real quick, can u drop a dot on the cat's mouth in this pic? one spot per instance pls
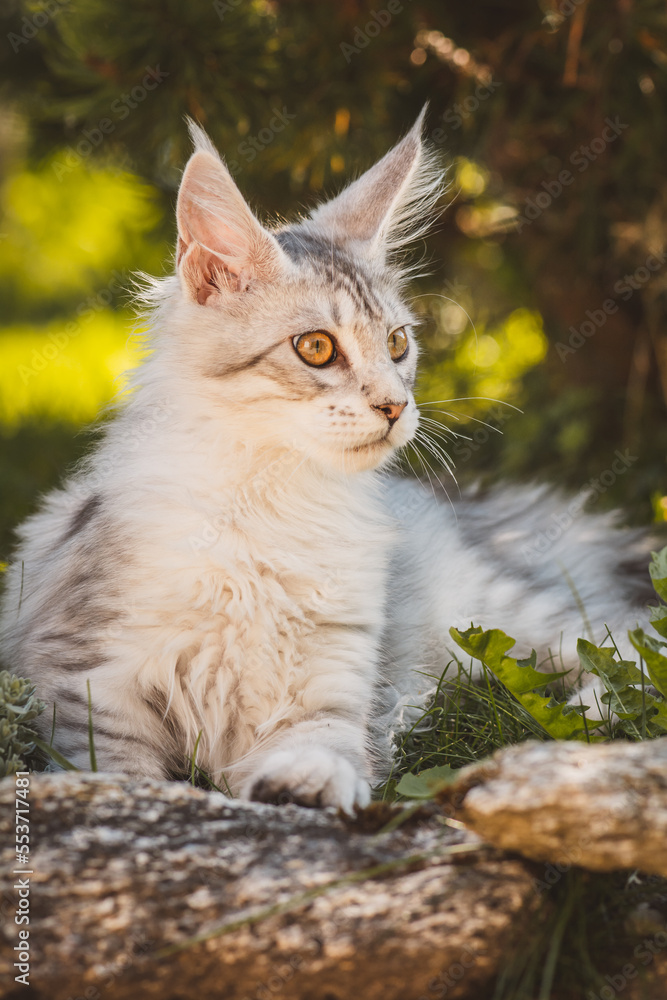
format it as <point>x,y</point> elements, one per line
<point>370,445</point>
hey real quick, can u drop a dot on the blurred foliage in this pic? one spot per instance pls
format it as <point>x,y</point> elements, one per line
<point>63,239</point>
<point>33,457</point>
<point>66,372</point>
<point>298,96</point>
<point>487,362</point>
<point>67,249</point>
<point>18,709</point>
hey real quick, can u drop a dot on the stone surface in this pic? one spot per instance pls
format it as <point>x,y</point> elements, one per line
<point>601,807</point>
<point>293,903</point>
<point>126,873</point>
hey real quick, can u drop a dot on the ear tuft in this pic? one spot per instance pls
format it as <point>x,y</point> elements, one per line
<point>221,246</point>
<point>391,204</point>
<point>200,141</point>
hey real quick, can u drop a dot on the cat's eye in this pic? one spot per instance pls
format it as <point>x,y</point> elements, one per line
<point>315,348</point>
<point>397,341</point>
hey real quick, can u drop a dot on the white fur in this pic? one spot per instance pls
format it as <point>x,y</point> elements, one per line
<point>232,569</point>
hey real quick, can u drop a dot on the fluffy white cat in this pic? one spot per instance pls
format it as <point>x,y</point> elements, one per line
<point>235,562</point>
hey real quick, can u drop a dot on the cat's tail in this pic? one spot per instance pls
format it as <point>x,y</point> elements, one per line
<point>524,559</point>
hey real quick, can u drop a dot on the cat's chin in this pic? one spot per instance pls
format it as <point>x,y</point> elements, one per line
<point>366,456</point>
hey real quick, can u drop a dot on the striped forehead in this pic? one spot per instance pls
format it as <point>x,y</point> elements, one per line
<point>339,271</point>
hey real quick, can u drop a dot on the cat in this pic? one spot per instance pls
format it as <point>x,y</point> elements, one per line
<point>236,567</point>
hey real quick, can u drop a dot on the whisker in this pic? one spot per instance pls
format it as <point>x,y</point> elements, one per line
<point>445,457</point>
<point>465,399</point>
<point>468,417</point>
<point>436,409</point>
<point>441,457</point>
<point>437,454</point>
<point>443,429</point>
<point>433,428</point>
<point>427,468</point>
<point>443,488</point>
<point>421,462</point>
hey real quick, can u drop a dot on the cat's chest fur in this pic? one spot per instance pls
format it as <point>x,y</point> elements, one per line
<point>272,601</point>
<point>269,569</point>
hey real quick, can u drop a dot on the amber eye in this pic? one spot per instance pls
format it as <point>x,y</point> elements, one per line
<point>398,344</point>
<point>315,348</point>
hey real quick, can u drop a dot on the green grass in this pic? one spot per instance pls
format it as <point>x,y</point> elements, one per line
<point>587,926</point>
<point>587,929</point>
<point>584,929</point>
<point>466,721</point>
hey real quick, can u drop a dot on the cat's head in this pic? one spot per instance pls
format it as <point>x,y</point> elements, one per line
<point>302,332</point>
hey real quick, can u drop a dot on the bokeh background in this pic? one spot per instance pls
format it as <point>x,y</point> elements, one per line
<point>548,263</point>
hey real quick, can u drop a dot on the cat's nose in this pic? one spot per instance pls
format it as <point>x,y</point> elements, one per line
<point>392,411</point>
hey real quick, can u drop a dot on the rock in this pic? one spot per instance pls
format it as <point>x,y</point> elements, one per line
<point>289,902</point>
<point>601,807</point>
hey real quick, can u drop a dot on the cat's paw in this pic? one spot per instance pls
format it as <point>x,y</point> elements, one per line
<point>309,776</point>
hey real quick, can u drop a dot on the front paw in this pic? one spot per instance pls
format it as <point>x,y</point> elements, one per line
<point>310,776</point>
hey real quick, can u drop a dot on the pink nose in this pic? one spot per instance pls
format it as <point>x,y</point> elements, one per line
<point>392,411</point>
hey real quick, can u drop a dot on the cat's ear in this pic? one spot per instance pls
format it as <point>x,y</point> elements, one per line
<point>390,204</point>
<point>222,247</point>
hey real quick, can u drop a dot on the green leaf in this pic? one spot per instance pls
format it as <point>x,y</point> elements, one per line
<point>58,758</point>
<point>193,758</point>
<point>631,704</point>
<point>627,703</point>
<point>490,647</point>
<point>560,721</point>
<point>427,783</point>
<point>91,738</point>
<point>658,572</point>
<point>659,717</point>
<point>624,695</point>
<point>19,707</point>
<point>656,663</point>
<point>600,660</point>
<point>658,619</point>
